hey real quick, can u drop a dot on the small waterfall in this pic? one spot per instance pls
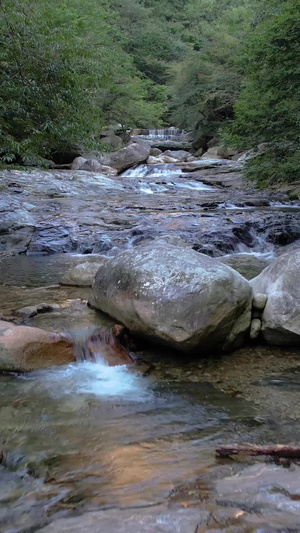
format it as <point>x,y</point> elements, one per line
<point>165,133</point>
<point>259,245</point>
<point>100,345</point>
<point>153,171</point>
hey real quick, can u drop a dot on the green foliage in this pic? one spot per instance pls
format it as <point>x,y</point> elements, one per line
<point>268,110</point>
<point>68,67</point>
<point>207,84</point>
<point>64,74</point>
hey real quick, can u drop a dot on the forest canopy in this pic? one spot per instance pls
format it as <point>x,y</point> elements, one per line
<point>225,68</point>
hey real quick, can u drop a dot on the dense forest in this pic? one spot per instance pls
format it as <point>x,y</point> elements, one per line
<point>226,68</point>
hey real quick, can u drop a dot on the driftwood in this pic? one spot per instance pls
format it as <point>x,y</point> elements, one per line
<point>278,450</point>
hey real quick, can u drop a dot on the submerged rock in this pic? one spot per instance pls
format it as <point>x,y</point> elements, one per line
<point>280,283</point>
<point>33,310</point>
<point>24,348</point>
<point>175,296</point>
<point>82,275</point>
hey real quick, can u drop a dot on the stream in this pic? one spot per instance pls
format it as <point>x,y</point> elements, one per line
<point>94,448</point>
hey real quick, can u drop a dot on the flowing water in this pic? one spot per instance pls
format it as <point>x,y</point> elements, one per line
<point>88,447</point>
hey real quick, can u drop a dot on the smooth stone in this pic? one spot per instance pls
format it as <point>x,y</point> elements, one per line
<point>24,348</point>
<point>82,275</point>
<point>127,157</point>
<point>255,328</point>
<point>259,301</point>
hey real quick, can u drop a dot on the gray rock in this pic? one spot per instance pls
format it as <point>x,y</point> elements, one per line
<point>259,301</point>
<point>82,275</point>
<point>78,163</point>
<point>92,165</point>
<point>175,296</point>
<point>127,157</point>
<point>255,328</point>
<point>280,282</point>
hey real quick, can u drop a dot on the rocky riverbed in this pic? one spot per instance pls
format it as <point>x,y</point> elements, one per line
<point>44,212</point>
<point>85,440</point>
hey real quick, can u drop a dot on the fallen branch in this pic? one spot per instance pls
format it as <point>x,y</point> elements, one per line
<point>278,450</point>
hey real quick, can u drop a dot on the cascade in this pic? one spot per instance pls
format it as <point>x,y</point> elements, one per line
<point>165,133</point>
<point>152,171</point>
<point>100,345</point>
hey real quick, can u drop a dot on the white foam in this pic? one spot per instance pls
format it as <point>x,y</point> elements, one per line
<point>152,171</point>
<point>98,379</point>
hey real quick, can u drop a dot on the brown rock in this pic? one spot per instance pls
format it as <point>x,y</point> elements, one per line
<point>105,344</point>
<point>24,348</point>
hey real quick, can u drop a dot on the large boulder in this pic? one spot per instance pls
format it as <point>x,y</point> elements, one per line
<point>127,157</point>
<point>175,296</point>
<point>280,283</point>
<point>24,348</point>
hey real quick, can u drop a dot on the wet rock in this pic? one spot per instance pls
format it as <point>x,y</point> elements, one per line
<point>167,159</point>
<point>248,265</point>
<point>104,343</point>
<point>168,144</point>
<point>155,160</point>
<point>175,296</point>
<point>178,155</point>
<point>268,494</point>
<point>129,520</point>
<point>127,157</point>
<point>103,244</point>
<point>280,282</point>
<point>24,348</point>
<point>17,241</point>
<point>33,310</point>
<point>82,275</point>
<point>255,328</point>
<point>108,171</point>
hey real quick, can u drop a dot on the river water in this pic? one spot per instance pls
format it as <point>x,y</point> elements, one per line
<point>89,447</point>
